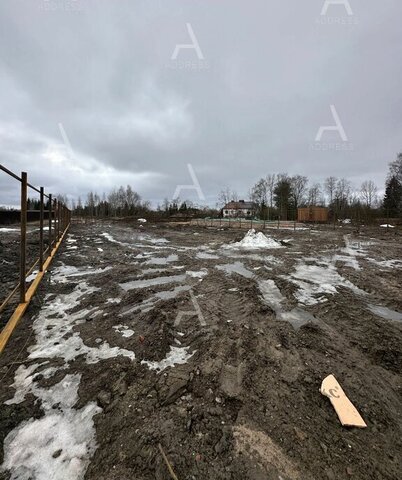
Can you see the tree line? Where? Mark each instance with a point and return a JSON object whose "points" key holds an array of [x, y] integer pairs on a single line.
{"points": [[120, 202], [280, 195], [275, 196]]}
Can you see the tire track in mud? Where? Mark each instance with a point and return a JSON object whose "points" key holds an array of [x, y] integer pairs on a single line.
{"points": [[232, 306]]}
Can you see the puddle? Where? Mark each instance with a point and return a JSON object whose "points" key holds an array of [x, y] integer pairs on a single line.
{"points": [[314, 281], [152, 270], [201, 274], [64, 272], [206, 256], [236, 267], [272, 296], [253, 256], [385, 313], [155, 243], [162, 260], [151, 282], [296, 317], [386, 263], [149, 304]]}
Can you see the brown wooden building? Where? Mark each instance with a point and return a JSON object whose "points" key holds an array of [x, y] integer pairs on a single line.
{"points": [[312, 214]]}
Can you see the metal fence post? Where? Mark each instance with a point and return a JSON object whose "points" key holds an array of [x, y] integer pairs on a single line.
{"points": [[41, 232], [50, 223], [57, 219], [23, 240], [59, 207]]}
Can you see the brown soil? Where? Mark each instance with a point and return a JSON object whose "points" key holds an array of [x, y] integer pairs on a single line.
{"points": [[247, 404]]}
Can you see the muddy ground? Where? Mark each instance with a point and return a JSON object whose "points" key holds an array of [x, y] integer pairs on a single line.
{"points": [[254, 333]]}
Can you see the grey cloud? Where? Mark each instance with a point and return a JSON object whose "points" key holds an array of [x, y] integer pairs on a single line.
{"points": [[271, 71]]}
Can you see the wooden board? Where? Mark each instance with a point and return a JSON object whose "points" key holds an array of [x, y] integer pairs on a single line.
{"points": [[346, 411]]}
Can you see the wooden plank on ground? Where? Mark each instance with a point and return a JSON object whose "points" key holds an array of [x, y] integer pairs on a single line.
{"points": [[346, 411]]}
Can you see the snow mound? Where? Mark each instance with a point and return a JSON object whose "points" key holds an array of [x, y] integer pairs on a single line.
{"points": [[254, 240], [387, 225]]}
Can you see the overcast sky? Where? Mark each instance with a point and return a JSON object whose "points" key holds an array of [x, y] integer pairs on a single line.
{"points": [[249, 100]]}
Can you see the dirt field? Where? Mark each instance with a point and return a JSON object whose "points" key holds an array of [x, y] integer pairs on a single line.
{"points": [[173, 335]]}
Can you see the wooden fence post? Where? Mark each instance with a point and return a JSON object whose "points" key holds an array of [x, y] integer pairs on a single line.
{"points": [[23, 239]]}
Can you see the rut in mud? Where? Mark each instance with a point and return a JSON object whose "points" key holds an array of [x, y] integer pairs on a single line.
{"points": [[179, 336]]}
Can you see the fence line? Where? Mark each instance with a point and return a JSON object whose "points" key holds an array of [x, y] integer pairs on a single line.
{"points": [[59, 217], [248, 223]]}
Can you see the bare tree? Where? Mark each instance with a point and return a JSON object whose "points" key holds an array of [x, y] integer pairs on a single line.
{"points": [[258, 195], [342, 195], [298, 185], [270, 183], [368, 193], [225, 196], [330, 187], [314, 195]]}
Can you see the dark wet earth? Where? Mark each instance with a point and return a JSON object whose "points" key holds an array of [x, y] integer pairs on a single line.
{"points": [[170, 335]]}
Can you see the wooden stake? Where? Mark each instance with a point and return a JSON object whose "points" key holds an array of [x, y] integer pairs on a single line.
{"points": [[169, 466]]}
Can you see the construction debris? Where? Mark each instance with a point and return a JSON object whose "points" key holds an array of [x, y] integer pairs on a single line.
{"points": [[346, 411]]}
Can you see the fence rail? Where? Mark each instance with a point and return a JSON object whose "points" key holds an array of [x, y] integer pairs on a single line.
{"points": [[59, 217]]}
